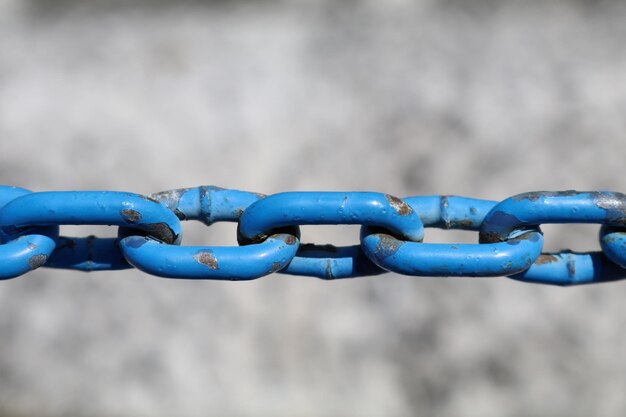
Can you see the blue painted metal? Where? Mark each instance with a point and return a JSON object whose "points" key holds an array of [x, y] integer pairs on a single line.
{"points": [[88, 254], [209, 204], [210, 262], [613, 243], [569, 268], [301, 208], [54, 208], [29, 248], [24, 254], [324, 207], [450, 211], [331, 262], [8, 193], [135, 213], [435, 259], [149, 232], [529, 210]]}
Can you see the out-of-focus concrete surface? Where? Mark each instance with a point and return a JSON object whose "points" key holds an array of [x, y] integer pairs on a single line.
{"points": [[478, 98]]}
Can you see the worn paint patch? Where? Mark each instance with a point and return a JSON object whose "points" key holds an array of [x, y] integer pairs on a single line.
{"points": [[536, 195], [461, 224], [130, 216], [36, 261], [571, 268], [291, 240], [387, 246], [171, 200], [546, 259], [444, 216], [615, 206], [489, 237], [276, 266], [329, 269], [206, 258], [498, 226], [398, 205], [161, 231]]}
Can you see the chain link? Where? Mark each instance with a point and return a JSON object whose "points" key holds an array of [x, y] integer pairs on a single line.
{"points": [[391, 238]]}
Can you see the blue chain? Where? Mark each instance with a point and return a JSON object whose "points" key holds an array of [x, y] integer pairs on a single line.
{"points": [[391, 238]]}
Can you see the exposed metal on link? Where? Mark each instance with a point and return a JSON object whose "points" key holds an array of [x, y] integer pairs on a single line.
{"points": [[510, 241], [302, 208]]}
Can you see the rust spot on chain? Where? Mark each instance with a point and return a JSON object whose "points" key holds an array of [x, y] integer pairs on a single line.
{"points": [[162, 232], [131, 216], [387, 246], [206, 258], [536, 195], [546, 259], [329, 269], [615, 206], [490, 237], [171, 199], [571, 268], [398, 205], [462, 224], [36, 261]]}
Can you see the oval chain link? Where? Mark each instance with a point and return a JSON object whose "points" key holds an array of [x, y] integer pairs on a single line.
{"points": [[208, 205], [513, 255]]}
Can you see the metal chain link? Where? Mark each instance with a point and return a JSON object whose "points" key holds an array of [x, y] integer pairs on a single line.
{"points": [[392, 232]]}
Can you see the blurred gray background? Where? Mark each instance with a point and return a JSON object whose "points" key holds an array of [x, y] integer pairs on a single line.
{"points": [[479, 98]]}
